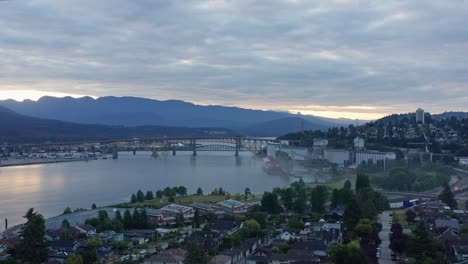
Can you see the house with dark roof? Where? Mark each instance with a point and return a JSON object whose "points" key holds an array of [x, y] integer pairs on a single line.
{"points": [[87, 230], [226, 227], [51, 235], [209, 240], [171, 256], [205, 209]]}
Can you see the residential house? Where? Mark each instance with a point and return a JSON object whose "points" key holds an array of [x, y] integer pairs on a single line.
{"points": [[168, 215], [87, 230], [205, 209], [171, 256], [287, 235], [226, 227], [51, 235], [140, 235], [233, 207], [220, 259], [447, 223], [209, 240], [109, 236]]}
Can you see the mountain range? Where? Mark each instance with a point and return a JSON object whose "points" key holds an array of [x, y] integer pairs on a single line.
{"points": [[18, 128], [134, 111]]}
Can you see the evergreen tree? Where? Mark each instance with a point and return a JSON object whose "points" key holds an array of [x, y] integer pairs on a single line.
{"points": [[93, 206], [199, 191], [140, 196], [318, 198], [65, 223], [67, 211], [287, 197], [127, 220], [221, 191], [347, 185], [143, 219], [195, 254], [270, 203], [149, 195], [351, 215], [247, 193], [362, 181], [448, 197], [182, 190], [118, 216], [136, 219], [133, 199], [171, 199], [32, 247], [196, 219]]}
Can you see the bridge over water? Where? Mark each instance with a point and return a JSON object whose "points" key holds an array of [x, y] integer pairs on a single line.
{"points": [[173, 144]]}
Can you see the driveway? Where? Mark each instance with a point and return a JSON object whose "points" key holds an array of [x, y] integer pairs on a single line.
{"points": [[385, 252]]}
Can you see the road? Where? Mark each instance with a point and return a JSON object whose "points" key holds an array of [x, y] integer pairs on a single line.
{"points": [[385, 252]]}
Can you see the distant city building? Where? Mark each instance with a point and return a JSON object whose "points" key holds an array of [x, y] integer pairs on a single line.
{"points": [[374, 156], [359, 143], [321, 143], [420, 116], [338, 156], [272, 148]]}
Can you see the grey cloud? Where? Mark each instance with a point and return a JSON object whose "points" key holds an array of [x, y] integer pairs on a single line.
{"points": [[390, 54]]}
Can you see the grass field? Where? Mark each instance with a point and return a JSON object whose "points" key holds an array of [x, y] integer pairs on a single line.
{"points": [[338, 184], [187, 200]]}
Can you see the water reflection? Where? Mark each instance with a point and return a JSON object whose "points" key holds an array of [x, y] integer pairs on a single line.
{"points": [[50, 188]]}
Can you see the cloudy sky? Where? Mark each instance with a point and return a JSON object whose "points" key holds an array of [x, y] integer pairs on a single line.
{"points": [[336, 58]]}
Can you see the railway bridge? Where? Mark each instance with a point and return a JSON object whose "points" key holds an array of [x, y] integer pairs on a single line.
{"points": [[172, 144]]}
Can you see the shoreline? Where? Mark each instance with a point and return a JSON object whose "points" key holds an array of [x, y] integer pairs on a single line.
{"points": [[23, 162]]}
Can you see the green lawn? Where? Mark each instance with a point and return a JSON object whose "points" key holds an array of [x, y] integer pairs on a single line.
{"points": [[187, 200]]}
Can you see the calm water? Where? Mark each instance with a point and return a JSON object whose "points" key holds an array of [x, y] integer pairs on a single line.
{"points": [[50, 188]]}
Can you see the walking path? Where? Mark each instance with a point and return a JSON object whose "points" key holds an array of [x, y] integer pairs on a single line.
{"points": [[385, 251]]}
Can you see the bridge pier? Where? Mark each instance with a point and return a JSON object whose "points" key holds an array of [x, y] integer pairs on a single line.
{"points": [[115, 152], [238, 146], [193, 143]]}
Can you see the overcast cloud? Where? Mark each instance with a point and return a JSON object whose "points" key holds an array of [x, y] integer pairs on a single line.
{"points": [[345, 58]]}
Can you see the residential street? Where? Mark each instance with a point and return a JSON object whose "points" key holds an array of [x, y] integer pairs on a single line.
{"points": [[385, 251]]}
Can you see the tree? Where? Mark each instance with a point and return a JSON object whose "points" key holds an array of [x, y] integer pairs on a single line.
{"points": [[171, 199], [318, 198], [196, 219], [351, 215], [251, 228], [159, 194], [221, 191], [350, 253], [127, 219], [398, 240], [247, 193], [287, 197], [421, 244], [299, 205], [133, 199], [74, 259], [260, 218], [448, 197], [410, 216], [182, 190], [347, 185], [180, 220], [118, 216], [270, 203], [195, 254], [140, 196], [199, 191], [362, 181], [295, 224], [32, 247], [94, 206], [149, 195], [67, 211], [65, 223]]}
